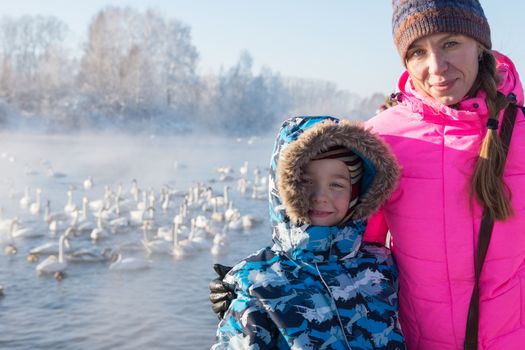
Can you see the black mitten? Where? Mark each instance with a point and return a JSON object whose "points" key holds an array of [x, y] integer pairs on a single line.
{"points": [[221, 295]]}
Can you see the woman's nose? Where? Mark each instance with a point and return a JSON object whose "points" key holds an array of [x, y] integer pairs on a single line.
{"points": [[437, 63]]}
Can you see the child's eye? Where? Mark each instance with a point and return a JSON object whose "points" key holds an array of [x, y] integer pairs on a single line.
{"points": [[337, 185]]}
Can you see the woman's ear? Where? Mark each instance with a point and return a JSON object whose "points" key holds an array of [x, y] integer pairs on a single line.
{"points": [[481, 49]]}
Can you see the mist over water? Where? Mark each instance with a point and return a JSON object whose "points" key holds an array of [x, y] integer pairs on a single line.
{"points": [[164, 307]]}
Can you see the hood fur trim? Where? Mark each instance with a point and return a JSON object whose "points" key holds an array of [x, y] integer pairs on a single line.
{"points": [[319, 138]]}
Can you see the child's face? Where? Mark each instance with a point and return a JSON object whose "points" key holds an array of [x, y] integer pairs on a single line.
{"points": [[329, 188]]}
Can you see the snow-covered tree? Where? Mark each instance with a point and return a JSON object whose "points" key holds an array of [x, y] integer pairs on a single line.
{"points": [[319, 97], [138, 63], [248, 102], [34, 67]]}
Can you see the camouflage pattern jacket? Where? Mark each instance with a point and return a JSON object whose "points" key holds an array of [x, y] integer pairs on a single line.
{"points": [[317, 287]]}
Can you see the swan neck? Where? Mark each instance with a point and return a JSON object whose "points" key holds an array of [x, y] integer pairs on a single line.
{"points": [[61, 248]]}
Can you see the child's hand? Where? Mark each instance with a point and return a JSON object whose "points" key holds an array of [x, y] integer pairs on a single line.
{"points": [[221, 295]]}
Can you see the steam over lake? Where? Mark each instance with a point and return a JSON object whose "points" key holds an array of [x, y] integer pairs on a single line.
{"points": [[162, 307]]}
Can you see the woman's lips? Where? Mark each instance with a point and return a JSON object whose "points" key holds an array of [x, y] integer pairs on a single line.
{"points": [[444, 86]]}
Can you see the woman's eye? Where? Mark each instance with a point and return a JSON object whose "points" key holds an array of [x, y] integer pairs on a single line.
{"points": [[415, 53], [450, 44]]}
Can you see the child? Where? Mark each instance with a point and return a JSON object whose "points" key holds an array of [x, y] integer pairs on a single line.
{"points": [[319, 286]]}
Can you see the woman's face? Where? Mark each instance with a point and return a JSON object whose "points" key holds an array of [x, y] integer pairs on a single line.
{"points": [[444, 66]]}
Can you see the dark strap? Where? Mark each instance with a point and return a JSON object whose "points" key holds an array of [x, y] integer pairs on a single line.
{"points": [[485, 232]]}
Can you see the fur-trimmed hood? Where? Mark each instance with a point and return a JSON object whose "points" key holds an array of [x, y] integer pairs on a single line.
{"points": [[299, 140], [381, 171]]}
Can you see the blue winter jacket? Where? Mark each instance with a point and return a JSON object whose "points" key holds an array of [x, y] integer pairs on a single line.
{"points": [[317, 287]]}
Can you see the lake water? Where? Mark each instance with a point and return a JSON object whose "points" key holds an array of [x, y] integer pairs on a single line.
{"points": [[164, 307]]}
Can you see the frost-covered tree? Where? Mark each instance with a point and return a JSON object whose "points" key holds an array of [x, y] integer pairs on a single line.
{"points": [[248, 102], [137, 63], [319, 97], [34, 61], [139, 69], [369, 105]]}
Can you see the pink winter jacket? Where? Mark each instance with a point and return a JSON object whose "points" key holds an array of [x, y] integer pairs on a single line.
{"points": [[435, 227]]}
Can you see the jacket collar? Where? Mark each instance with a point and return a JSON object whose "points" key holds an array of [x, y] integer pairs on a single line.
{"points": [[470, 109], [319, 243]]}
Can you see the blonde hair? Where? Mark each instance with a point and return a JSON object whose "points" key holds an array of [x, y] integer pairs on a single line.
{"points": [[487, 181]]}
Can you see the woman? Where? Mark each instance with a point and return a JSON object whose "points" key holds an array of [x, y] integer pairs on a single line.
{"points": [[444, 132]]}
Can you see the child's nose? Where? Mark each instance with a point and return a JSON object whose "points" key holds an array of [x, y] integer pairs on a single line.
{"points": [[318, 194]]}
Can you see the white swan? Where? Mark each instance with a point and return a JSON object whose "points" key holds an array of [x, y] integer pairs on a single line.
{"points": [[243, 170], [249, 221], [143, 205], [136, 217], [221, 243], [242, 185], [221, 200], [181, 248], [5, 224], [235, 223], [260, 187], [99, 232], [182, 216], [34, 208], [216, 216], [148, 220], [18, 231], [53, 264], [56, 225], [230, 212], [92, 254], [165, 200], [52, 173], [165, 232], [134, 190], [25, 201], [129, 264], [88, 183], [48, 216], [193, 199], [97, 204], [118, 225], [224, 170], [53, 247], [70, 206], [199, 237], [80, 220], [10, 249], [201, 222], [155, 246]]}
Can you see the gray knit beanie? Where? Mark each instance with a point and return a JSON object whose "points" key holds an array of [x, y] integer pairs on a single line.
{"points": [[414, 19]]}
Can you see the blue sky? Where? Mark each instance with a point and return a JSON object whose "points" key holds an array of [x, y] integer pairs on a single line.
{"points": [[346, 41]]}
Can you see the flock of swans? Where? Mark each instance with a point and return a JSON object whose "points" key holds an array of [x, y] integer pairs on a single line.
{"points": [[110, 228]]}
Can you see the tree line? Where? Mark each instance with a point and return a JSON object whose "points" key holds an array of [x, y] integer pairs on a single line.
{"points": [[138, 71]]}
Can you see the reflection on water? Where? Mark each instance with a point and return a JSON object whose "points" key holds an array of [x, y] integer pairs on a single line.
{"points": [[163, 307]]}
